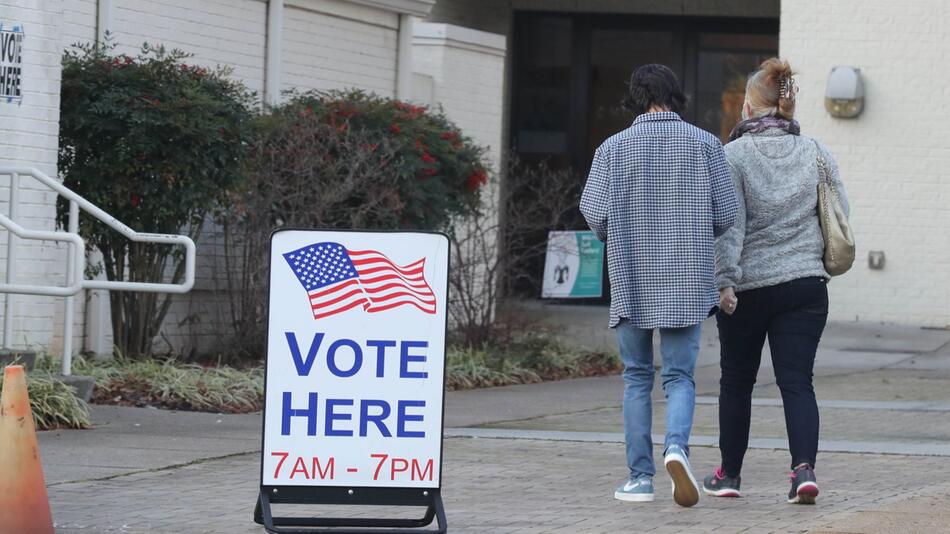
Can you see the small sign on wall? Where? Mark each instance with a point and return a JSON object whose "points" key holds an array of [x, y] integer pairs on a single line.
{"points": [[11, 62], [573, 266]]}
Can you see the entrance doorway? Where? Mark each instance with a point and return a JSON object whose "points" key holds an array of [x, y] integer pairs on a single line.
{"points": [[571, 72]]}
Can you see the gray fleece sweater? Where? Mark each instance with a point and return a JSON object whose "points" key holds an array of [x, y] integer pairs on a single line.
{"points": [[776, 237]]}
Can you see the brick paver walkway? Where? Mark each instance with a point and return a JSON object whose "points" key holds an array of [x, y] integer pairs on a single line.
{"points": [[887, 415], [508, 486]]}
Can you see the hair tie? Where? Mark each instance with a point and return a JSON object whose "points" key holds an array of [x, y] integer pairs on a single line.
{"points": [[787, 88]]}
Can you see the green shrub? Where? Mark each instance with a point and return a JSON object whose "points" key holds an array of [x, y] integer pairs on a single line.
{"points": [[410, 169], [157, 143], [523, 360], [171, 384], [54, 404], [469, 368], [174, 385], [340, 160]]}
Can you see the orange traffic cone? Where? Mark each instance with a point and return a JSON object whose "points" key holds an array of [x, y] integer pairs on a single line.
{"points": [[24, 505]]}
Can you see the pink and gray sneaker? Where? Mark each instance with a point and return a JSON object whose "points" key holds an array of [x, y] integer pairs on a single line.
{"points": [[804, 485], [720, 485]]}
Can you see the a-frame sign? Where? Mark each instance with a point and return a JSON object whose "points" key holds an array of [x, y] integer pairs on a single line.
{"points": [[355, 383]]}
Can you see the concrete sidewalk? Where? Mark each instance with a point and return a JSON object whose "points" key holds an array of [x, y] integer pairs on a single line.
{"points": [[546, 457]]}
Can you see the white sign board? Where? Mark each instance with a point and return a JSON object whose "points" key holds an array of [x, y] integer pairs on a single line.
{"points": [[355, 359]]}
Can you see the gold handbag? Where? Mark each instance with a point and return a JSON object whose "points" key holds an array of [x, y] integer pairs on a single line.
{"points": [[835, 230]]}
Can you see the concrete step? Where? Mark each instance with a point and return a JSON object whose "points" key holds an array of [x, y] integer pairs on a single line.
{"points": [[83, 385], [26, 358]]}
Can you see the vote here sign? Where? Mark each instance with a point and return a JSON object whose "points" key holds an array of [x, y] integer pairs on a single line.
{"points": [[355, 359]]}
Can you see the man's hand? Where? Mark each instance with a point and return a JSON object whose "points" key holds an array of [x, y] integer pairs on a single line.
{"points": [[728, 300]]}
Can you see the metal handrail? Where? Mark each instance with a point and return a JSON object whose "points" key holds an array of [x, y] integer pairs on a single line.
{"points": [[73, 277], [76, 261], [117, 225]]}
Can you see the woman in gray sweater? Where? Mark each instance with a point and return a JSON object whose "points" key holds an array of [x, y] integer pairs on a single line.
{"points": [[771, 278]]}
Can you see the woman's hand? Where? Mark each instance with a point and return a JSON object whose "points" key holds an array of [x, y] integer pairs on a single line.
{"points": [[728, 300]]}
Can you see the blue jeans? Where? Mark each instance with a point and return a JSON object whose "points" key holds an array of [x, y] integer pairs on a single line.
{"points": [[679, 348]]}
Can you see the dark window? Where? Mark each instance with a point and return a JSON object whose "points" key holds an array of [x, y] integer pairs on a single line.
{"points": [[542, 124], [723, 66], [571, 72], [613, 53]]}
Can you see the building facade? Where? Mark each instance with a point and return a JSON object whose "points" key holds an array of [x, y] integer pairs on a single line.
{"points": [[543, 77], [380, 46], [574, 55]]}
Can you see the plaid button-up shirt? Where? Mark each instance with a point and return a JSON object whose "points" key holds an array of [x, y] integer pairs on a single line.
{"points": [[658, 193]]}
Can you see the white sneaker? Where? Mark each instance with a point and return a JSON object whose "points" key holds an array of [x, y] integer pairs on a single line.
{"points": [[685, 487]]}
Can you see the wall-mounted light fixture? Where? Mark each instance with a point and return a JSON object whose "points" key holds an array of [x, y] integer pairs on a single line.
{"points": [[876, 260], [844, 96]]}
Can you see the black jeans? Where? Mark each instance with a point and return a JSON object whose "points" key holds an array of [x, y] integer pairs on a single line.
{"points": [[793, 316]]}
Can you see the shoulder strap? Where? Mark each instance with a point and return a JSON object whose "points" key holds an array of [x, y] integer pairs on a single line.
{"points": [[823, 174]]}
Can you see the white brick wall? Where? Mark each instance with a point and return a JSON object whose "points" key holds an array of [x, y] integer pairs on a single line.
{"points": [[327, 44], [196, 322], [30, 138], [226, 32], [346, 47], [468, 68], [894, 158], [79, 21], [78, 26], [217, 32]]}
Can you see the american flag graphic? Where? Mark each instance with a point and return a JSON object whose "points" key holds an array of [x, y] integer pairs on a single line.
{"points": [[338, 279]]}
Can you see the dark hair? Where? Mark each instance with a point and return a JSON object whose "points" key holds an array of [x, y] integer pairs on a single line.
{"points": [[654, 84]]}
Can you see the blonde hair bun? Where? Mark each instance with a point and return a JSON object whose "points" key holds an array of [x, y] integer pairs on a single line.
{"points": [[771, 89]]}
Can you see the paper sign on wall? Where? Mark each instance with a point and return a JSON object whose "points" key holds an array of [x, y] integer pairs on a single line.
{"points": [[11, 62], [355, 359], [573, 266]]}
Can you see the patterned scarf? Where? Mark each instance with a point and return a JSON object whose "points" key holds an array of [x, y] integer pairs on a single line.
{"points": [[761, 124]]}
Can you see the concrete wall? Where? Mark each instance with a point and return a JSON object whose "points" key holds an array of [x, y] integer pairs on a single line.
{"points": [[894, 158]]}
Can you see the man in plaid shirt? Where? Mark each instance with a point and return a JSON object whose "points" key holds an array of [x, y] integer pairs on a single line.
{"points": [[658, 193]]}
